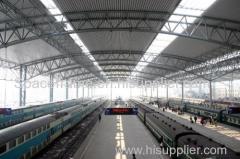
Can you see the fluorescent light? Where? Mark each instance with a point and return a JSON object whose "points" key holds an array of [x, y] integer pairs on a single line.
{"points": [[57, 14], [194, 8]]}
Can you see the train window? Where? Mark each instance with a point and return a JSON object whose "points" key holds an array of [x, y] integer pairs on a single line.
{"points": [[39, 130], [34, 133], [12, 144], [28, 136], [3, 148], [44, 127], [20, 139], [48, 126]]}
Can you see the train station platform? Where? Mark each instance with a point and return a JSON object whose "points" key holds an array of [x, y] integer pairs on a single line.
{"points": [[223, 134], [118, 132]]}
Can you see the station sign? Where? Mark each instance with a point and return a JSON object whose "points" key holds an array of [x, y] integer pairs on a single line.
{"points": [[121, 111]]}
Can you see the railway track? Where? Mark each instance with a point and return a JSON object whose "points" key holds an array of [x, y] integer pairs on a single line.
{"points": [[66, 145]]}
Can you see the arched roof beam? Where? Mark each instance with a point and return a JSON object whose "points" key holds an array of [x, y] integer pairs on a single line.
{"points": [[209, 29], [109, 53]]}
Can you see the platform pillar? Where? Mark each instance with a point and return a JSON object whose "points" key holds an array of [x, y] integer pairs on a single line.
{"points": [[51, 88], [23, 77], [88, 91], [67, 89], [130, 92], [83, 91], [210, 92], [151, 95], [157, 90], [77, 90], [167, 91], [111, 93], [182, 91]]}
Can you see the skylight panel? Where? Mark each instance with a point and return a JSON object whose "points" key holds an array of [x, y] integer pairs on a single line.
{"points": [[192, 8], [57, 14], [60, 18], [68, 27], [49, 4]]}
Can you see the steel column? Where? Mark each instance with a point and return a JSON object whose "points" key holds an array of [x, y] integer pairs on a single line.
{"points": [[182, 91], [83, 92], [51, 88], [111, 93], [77, 90], [67, 89], [167, 91], [130, 92], [210, 92], [23, 76]]}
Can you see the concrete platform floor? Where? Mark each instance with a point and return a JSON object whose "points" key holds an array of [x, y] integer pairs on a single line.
{"points": [[119, 132]]}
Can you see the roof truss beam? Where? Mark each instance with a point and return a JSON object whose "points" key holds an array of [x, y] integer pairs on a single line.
{"points": [[220, 31]]}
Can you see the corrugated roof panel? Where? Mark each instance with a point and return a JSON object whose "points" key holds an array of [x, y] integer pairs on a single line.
{"points": [[82, 5], [117, 40]]}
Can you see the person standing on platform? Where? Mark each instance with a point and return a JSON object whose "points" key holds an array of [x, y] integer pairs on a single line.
{"points": [[211, 120], [202, 121], [134, 156], [99, 117], [195, 119], [191, 120]]}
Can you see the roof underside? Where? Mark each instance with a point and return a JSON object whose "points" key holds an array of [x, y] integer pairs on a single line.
{"points": [[117, 34]]}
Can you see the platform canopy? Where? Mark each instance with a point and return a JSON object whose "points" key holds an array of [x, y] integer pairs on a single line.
{"points": [[106, 40]]}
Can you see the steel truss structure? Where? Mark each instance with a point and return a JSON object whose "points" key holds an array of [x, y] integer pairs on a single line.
{"points": [[19, 27], [221, 31], [27, 20]]}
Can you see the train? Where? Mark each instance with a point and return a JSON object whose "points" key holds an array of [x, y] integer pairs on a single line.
{"points": [[202, 108], [30, 112], [173, 134], [24, 140]]}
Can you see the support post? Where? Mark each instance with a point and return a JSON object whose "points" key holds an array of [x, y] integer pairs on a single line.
{"points": [[77, 90], [66, 89], [182, 91], [130, 92], [23, 77], [111, 93], [83, 92], [167, 90], [146, 91], [93, 91], [51, 88], [210, 92], [151, 92], [88, 91], [157, 90]]}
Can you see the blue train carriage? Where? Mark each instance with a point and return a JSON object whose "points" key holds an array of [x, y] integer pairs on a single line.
{"points": [[30, 112], [24, 140]]}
